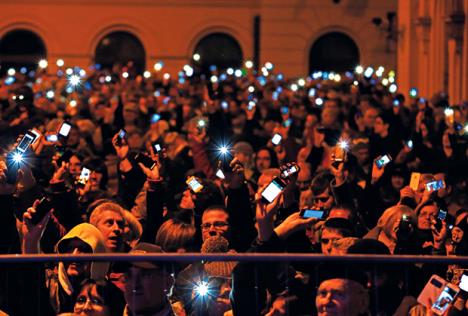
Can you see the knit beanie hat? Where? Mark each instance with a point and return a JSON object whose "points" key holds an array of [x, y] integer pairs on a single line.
{"points": [[218, 244]]}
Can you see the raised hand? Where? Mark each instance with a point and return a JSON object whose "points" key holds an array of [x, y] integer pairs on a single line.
{"points": [[121, 149], [32, 233], [293, 224]]}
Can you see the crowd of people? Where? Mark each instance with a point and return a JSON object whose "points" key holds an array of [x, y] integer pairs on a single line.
{"points": [[107, 160]]}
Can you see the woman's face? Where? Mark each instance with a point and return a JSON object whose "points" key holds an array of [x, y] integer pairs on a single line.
{"points": [[457, 235], [89, 302]]}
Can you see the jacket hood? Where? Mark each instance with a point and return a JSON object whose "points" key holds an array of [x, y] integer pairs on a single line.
{"points": [[90, 235]]}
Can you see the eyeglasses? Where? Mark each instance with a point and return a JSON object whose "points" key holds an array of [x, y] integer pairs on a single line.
{"points": [[322, 199], [216, 225], [82, 300]]}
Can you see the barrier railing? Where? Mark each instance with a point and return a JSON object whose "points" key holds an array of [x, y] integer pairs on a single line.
{"points": [[240, 257]]}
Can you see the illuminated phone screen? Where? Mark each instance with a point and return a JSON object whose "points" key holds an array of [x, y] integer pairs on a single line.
{"points": [[65, 129], [272, 191]]}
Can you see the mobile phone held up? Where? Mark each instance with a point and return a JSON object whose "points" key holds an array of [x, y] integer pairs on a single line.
{"points": [[64, 130], [28, 139], [194, 184], [276, 139], [383, 161], [289, 171], [311, 213], [445, 299], [84, 177], [45, 206], [120, 137], [272, 190], [435, 185]]}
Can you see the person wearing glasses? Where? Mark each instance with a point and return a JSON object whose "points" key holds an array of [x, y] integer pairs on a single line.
{"points": [[99, 298]]}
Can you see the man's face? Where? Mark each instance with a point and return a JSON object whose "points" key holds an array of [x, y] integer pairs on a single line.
{"points": [[303, 179], [215, 223], [94, 180], [323, 200], [379, 126], [112, 224], [369, 117], [328, 236], [426, 215], [75, 166], [135, 141], [340, 297], [263, 160], [362, 156], [144, 290]]}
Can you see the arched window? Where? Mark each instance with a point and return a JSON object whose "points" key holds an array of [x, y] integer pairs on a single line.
{"points": [[334, 51], [119, 48], [219, 49], [21, 48]]}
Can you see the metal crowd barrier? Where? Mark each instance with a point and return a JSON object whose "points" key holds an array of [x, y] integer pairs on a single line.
{"points": [[240, 257]]}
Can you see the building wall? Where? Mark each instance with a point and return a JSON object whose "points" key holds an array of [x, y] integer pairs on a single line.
{"points": [[169, 30], [433, 47]]}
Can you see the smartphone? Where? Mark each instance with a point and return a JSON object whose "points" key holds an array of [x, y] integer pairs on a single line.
{"points": [[435, 185], [84, 176], [157, 147], [431, 290], [464, 283], [404, 228], [445, 298], [121, 136], [276, 140], [220, 174], [290, 171], [413, 92], [284, 110], [28, 139], [287, 123], [145, 160], [224, 105], [154, 118], [414, 182], [441, 216], [312, 92], [272, 190], [409, 144], [275, 95], [251, 105], [44, 207], [194, 184], [311, 213], [396, 103], [382, 161], [64, 129], [52, 138]]}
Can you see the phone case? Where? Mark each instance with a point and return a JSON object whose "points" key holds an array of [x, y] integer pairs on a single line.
{"points": [[431, 291], [414, 183]]}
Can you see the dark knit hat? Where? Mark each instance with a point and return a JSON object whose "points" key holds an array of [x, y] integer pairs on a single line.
{"points": [[218, 244]]}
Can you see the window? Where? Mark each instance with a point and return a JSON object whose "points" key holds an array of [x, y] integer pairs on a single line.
{"points": [[21, 48], [333, 51], [120, 48], [219, 49]]}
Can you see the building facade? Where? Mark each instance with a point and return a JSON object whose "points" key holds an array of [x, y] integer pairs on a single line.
{"points": [[426, 41], [433, 47]]}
